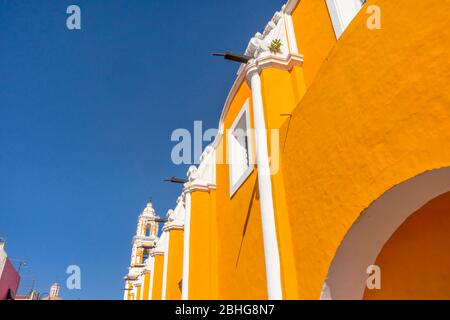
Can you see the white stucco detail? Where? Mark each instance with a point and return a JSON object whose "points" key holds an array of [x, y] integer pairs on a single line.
{"points": [[342, 13], [186, 252], [176, 217], [274, 30], [152, 278], [279, 27], [346, 279], [271, 253], [203, 176], [166, 258]]}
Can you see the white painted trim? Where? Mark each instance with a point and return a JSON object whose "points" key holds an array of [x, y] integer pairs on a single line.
{"points": [[142, 287], [363, 242], [271, 254], [290, 6], [342, 13], [186, 252], [166, 258], [290, 31], [152, 276], [125, 293], [284, 61], [245, 111]]}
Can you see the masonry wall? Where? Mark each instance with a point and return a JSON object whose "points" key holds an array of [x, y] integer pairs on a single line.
{"points": [[203, 267], [314, 34], [376, 114], [241, 269], [175, 265], [157, 277]]}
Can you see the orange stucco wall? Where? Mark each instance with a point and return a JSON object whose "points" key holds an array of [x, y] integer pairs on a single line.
{"points": [[175, 265], [415, 263], [146, 286], [240, 247], [358, 117], [157, 277], [314, 34], [138, 293], [376, 114], [203, 283], [281, 91]]}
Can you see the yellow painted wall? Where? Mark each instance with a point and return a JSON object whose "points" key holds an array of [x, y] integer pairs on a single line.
{"points": [[314, 34], [376, 114], [146, 286], [240, 247], [281, 91], [138, 293], [157, 277], [175, 265], [203, 281], [415, 263]]}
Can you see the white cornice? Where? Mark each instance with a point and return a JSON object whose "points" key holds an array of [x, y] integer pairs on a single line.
{"points": [[176, 217], [290, 6], [160, 245], [202, 178], [279, 27], [284, 62]]}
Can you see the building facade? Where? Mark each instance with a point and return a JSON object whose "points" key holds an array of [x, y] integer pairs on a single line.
{"points": [[331, 165], [137, 280]]}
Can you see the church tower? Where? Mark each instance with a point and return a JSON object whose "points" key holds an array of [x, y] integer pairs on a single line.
{"points": [[144, 240]]}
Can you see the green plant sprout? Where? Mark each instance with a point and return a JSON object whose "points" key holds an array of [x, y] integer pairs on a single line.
{"points": [[275, 46]]}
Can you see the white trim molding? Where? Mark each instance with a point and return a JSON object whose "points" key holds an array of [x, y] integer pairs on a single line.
{"points": [[342, 13], [279, 27], [289, 7], [346, 279], [234, 155], [152, 276], [165, 245], [185, 281], [271, 253], [176, 217]]}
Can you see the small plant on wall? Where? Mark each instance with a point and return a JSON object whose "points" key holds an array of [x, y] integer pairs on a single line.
{"points": [[275, 46]]}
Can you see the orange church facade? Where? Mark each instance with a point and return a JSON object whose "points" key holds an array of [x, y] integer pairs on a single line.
{"points": [[329, 177]]}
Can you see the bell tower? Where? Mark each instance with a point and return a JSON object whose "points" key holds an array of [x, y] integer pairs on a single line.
{"points": [[144, 240]]}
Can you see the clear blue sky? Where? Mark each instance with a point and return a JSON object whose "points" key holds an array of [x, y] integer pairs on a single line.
{"points": [[86, 118]]}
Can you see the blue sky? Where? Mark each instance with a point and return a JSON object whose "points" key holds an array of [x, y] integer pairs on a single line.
{"points": [[86, 118]]}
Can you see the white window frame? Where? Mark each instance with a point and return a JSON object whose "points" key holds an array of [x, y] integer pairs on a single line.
{"points": [[342, 13], [236, 183]]}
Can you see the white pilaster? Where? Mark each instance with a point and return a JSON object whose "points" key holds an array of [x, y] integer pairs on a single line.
{"points": [[152, 276], [187, 229], [166, 258], [271, 254]]}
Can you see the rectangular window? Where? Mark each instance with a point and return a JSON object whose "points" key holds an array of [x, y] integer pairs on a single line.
{"points": [[342, 13], [145, 255], [239, 149]]}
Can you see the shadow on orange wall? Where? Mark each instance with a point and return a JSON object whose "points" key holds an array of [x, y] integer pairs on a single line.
{"points": [[414, 262]]}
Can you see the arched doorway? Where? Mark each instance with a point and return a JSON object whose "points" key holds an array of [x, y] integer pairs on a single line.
{"points": [[404, 233]]}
